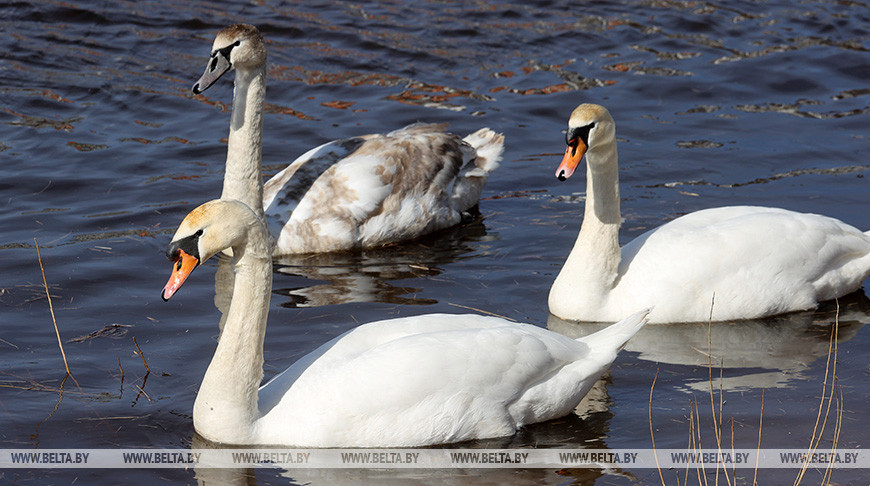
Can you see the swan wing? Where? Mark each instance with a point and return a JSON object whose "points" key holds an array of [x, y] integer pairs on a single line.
{"points": [[756, 261], [429, 379], [282, 193]]}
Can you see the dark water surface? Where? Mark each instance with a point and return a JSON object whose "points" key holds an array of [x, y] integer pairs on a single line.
{"points": [[103, 151]]}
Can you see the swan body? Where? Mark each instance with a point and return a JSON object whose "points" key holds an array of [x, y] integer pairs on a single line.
{"points": [[725, 263], [411, 381], [359, 192]]}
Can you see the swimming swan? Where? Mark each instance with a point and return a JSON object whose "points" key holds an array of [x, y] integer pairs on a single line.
{"points": [[412, 381], [745, 261], [357, 192]]}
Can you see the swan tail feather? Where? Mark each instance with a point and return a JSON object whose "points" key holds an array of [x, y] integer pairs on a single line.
{"points": [[617, 334], [487, 148]]}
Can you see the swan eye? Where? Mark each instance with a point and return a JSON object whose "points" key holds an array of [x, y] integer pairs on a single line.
{"points": [[578, 133], [190, 245], [225, 52]]}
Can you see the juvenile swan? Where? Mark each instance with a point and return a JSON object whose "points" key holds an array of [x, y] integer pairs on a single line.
{"points": [[356, 192], [745, 261], [413, 381]]}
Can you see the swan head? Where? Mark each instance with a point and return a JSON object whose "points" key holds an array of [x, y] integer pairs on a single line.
{"points": [[239, 46], [590, 128], [206, 231]]}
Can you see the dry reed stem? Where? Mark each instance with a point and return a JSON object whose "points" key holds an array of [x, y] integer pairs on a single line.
{"points": [[32, 385], [717, 418], [56, 406], [696, 441], [815, 438], [481, 311], [121, 392], [758, 447], [7, 342], [733, 466], [691, 446], [838, 410], [652, 433], [830, 397], [721, 407], [141, 355], [839, 426], [142, 388], [51, 309], [142, 391], [703, 468], [830, 370]]}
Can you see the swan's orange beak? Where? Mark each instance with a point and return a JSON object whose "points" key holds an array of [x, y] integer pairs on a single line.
{"points": [[183, 265], [573, 155]]}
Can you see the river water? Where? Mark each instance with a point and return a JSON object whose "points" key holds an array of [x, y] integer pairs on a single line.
{"points": [[103, 150]]}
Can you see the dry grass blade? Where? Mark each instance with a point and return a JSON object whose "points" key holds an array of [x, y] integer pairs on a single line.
{"points": [[481, 311], [821, 422], [651, 431], [831, 400], [141, 389], [721, 407], [734, 467], [143, 392], [5, 341], [691, 447], [695, 439], [829, 470], [29, 384], [60, 392], [716, 417], [702, 471], [51, 308], [122, 377], [758, 447], [141, 355]]}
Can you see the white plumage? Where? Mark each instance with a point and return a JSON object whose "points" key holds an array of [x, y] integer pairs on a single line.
{"points": [[742, 262], [413, 381]]}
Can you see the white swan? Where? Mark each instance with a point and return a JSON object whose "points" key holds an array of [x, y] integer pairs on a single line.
{"points": [[358, 192], [748, 262], [412, 381]]}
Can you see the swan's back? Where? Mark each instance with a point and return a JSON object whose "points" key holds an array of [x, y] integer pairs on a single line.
{"points": [[431, 379], [757, 261], [368, 191]]}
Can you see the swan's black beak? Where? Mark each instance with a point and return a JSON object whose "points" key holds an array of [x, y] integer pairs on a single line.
{"points": [[573, 155], [218, 64], [183, 265]]}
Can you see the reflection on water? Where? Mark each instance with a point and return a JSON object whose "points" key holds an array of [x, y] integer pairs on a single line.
{"points": [[366, 276], [786, 344], [405, 477], [455, 476], [360, 276]]}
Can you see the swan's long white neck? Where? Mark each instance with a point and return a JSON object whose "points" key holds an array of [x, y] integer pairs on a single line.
{"points": [[594, 261], [226, 407], [243, 180]]}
